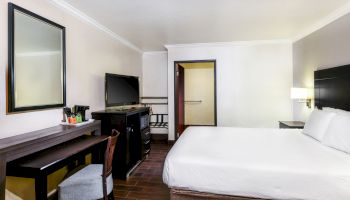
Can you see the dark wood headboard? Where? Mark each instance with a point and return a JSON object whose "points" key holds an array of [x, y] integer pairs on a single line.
{"points": [[332, 88]]}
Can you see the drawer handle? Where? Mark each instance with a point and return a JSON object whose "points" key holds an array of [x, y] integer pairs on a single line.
{"points": [[146, 152]]}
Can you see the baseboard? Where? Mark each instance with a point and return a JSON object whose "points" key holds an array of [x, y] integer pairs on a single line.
{"points": [[171, 142], [159, 137]]}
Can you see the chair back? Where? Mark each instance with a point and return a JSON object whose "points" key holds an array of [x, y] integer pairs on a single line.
{"points": [[108, 159]]}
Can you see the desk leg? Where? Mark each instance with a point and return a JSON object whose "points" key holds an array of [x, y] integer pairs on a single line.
{"points": [[41, 188], [96, 132], [97, 154], [81, 160], [2, 177]]}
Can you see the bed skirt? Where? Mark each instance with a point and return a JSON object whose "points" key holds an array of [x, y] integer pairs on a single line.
{"points": [[180, 194]]}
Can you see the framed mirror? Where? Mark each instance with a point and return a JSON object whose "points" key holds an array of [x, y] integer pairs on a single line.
{"points": [[37, 59]]}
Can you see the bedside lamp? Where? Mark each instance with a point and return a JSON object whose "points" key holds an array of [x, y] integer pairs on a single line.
{"points": [[302, 94]]}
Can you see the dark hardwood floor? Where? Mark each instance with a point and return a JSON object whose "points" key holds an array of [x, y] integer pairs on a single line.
{"points": [[146, 181]]}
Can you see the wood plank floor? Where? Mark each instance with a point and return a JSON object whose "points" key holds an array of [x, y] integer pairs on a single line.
{"points": [[146, 181]]}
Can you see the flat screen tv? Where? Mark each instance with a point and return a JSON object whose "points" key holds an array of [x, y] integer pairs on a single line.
{"points": [[121, 90]]}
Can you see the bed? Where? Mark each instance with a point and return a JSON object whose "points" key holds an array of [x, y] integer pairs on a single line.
{"points": [[261, 163], [245, 163]]}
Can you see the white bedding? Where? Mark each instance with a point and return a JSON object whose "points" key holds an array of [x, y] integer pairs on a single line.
{"points": [[263, 163]]}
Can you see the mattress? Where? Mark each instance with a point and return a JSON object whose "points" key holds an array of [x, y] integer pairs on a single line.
{"points": [[260, 163]]}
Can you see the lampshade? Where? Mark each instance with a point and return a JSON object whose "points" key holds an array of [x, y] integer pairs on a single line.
{"points": [[299, 93]]}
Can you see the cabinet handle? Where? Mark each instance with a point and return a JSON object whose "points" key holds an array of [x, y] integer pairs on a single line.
{"points": [[146, 152]]}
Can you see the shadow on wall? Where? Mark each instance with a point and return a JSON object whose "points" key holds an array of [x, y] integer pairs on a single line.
{"points": [[300, 111]]}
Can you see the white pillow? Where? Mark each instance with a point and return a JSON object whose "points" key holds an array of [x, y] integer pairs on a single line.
{"points": [[317, 124], [338, 133]]}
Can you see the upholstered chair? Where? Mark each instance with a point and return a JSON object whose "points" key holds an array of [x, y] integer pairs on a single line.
{"points": [[93, 181]]}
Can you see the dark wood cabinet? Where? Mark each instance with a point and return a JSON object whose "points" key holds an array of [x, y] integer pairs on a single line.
{"points": [[134, 140]]}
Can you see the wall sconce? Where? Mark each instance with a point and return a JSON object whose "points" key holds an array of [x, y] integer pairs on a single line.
{"points": [[302, 94]]}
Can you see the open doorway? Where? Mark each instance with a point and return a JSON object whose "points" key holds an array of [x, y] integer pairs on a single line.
{"points": [[195, 94]]}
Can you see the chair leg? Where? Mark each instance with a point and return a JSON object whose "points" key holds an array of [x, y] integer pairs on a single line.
{"points": [[41, 188]]}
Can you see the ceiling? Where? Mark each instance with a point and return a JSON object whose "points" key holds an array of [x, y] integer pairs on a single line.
{"points": [[150, 24]]}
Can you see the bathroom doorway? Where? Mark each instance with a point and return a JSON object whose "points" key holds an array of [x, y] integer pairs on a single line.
{"points": [[195, 94]]}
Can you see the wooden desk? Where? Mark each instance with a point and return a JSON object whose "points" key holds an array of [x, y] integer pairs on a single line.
{"points": [[18, 146], [43, 163]]}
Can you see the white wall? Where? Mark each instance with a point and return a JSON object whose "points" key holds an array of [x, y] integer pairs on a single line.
{"points": [[155, 83], [199, 86], [154, 73], [90, 53], [253, 81], [325, 48]]}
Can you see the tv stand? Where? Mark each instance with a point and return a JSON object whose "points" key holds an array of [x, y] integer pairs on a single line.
{"points": [[122, 109], [133, 144]]}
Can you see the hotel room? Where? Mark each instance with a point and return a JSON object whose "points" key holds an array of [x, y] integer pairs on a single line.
{"points": [[181, 100]]}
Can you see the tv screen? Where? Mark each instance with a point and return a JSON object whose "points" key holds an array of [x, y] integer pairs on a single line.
{"points": [[121, 90]]}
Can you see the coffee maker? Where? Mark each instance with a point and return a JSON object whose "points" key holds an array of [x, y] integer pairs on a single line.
{"points": [[81, 109]]}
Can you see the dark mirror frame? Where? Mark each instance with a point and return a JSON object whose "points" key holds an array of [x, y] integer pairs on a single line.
{"points": [[11, 52]]}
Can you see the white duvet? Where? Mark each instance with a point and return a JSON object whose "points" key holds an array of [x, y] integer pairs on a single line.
{"points": [[263, 163]]}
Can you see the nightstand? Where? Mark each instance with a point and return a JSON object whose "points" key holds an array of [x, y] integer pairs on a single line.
{"points": [[291, 124]]}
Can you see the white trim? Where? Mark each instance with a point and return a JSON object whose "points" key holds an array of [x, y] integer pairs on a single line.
{"points": [[340, 12], [154, 52], [227, 44], [66, 6]]}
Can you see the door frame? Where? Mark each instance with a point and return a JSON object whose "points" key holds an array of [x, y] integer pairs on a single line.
{"points": [[175, 96]]}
